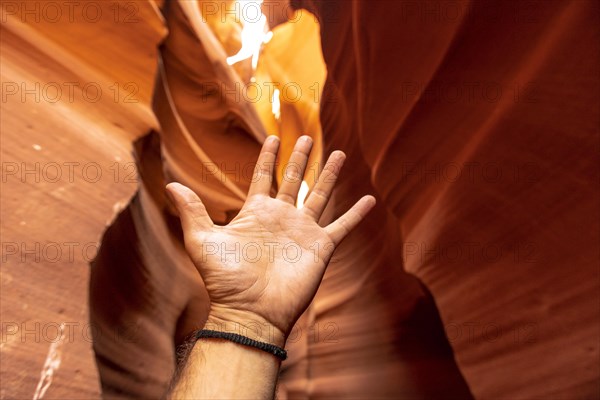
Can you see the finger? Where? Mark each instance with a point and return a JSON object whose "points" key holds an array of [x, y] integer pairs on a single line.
{"points": [[317, 199], [342, 226], [192, 212], [294, 170], [263, 176]]}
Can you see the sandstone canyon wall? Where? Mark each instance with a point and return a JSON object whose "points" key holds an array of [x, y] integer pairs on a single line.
{"points": [[474, 123]]}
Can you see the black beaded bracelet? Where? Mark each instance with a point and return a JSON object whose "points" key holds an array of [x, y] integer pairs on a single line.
{"points": [[243, 340]]}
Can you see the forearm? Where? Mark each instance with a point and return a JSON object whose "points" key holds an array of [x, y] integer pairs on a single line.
{"points": [[217, 369]]}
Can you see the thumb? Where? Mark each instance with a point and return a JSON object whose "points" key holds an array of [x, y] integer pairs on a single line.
{"points": [[191, 210]]}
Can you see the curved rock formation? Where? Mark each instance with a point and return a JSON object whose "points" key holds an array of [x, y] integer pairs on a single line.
{"points": [[473, 122]]}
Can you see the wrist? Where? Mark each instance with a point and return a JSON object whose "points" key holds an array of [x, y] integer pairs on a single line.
{"points": [[245, 324]]}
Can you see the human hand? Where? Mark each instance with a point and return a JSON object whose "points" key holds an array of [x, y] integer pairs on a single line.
{"points": [[266, 265]]}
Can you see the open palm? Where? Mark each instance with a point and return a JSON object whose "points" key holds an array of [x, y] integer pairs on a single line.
{"points": [[266, 265]]}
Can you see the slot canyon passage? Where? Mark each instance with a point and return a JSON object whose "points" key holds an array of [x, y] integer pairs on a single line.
{"points": [[474, 123]]}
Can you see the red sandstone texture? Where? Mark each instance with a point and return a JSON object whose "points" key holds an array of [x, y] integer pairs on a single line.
{"points": [[475, 125]]}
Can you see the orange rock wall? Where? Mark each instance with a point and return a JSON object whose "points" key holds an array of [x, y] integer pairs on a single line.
{"points": [[474, 123]]}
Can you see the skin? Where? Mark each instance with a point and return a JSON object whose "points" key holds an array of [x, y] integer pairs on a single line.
{"points": [[261, 271]]}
